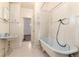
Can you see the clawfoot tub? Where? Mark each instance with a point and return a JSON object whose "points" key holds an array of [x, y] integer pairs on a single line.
{"points": [[51, 47]]}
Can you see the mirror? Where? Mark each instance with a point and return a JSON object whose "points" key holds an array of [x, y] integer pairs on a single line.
{"points": [[4, 20]]}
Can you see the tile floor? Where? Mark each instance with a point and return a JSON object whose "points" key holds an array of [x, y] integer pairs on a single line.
{"points": [[27, 51]]}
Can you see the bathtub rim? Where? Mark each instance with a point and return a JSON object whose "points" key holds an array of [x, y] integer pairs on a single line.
{"points": [[60, 51]]}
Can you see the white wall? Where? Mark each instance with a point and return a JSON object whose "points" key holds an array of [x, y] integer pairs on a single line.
{"points": [[74, 11], [44, 23], [41, 23], [36, 24], [27, 12], [16, 24]]}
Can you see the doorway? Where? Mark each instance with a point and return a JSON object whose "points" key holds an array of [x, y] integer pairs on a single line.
{"points": [[27, 29]]}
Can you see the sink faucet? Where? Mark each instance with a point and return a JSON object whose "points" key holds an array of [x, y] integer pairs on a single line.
{"points": [[6, 34]]}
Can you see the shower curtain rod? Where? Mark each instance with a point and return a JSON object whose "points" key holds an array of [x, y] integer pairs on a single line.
{"points": [[43, 5], [51, 8], [55, 6]]}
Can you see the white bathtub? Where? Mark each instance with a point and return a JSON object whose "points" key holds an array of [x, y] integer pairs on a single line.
{"points": [[51, 46]]}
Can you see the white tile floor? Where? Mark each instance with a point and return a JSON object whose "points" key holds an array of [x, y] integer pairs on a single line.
{"points": [[27, 51]]}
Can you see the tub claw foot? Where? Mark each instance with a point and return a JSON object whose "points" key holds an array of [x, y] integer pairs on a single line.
{"points": [[71, 55]]}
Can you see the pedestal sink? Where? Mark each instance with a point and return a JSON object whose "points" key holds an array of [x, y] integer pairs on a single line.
{"points": [[7, 37]]}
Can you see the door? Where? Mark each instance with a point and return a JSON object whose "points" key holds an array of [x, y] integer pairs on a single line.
{"points": [[27, 29]]}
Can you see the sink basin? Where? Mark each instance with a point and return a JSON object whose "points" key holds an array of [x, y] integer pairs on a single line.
{"points": [[7, 36]]}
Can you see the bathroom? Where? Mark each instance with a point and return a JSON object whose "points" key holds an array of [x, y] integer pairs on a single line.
{"points": [[44, 19]]}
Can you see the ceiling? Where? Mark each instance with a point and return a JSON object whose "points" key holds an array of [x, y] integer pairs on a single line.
{"points": [[45, 5], [29, 5], [49, 5]]}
